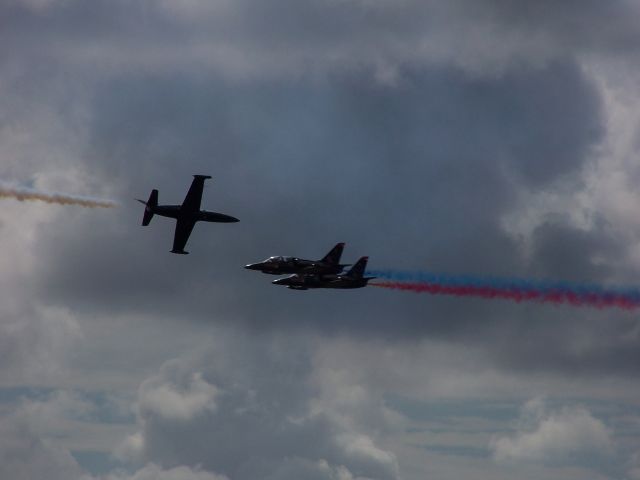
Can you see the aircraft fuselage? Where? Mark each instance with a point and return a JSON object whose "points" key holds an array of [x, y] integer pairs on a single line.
{"points": [[354, 278], [288, 265], [304, 282], [176, 211], [186, 215]]}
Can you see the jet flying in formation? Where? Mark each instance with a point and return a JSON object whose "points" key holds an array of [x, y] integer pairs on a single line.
{"points": [[186, 215], [304, 274], [354, 278], [329, 264]]}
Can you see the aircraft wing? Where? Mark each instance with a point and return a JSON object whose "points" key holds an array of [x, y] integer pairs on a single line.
{"points": [[194, 195], [181, 235]]}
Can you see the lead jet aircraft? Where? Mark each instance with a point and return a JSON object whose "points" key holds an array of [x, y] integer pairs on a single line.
{"points": [[186, 215], [329, 264], [354, 278]]}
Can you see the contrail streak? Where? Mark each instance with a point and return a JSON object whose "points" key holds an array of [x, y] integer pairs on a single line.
{"points": [[28, 194], [514, 289]]}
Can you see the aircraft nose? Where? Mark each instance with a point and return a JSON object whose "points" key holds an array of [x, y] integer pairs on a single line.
{"points": [[252, 266]]}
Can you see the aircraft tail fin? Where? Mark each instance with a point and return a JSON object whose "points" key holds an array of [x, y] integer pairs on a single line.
{"points": [[150, 206], [333, 257], [357, 271]]}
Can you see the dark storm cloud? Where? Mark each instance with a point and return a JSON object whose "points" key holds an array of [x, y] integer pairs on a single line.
{"points": [[303, 37], [407, 129], [416, 176], [577, 25], [563, 251]]}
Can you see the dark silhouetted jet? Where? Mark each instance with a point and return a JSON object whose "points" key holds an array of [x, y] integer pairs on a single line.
{"points": [[354, 278], [186, 215], [329, 264]]}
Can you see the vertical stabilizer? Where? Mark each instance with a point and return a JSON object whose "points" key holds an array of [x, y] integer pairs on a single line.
{"points": [[357, 271], [333, 257], [150, 207]]}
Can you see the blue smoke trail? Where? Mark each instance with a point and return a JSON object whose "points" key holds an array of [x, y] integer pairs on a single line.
{"points": [[520, 285]]}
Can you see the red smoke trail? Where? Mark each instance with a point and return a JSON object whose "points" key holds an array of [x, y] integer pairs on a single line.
{"points": [[557, 297]]}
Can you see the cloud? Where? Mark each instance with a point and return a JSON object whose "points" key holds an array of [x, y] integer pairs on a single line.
{"points": [[263, 423], [569, 436], [281, 38], [292, 468], [634, 467], [37, 343], [154, 472], [420, 132], [414, 182], [185, 400], [26, 447], [32, 437]]}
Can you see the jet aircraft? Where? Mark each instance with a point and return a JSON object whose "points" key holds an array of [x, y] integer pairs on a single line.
{"points": [[354, 278], [329, 264], [186, 215]]}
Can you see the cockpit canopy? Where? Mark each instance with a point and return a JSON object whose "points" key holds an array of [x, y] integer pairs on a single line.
{"points": [[278, 259]]}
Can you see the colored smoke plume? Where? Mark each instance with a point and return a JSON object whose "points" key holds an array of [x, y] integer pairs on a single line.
{"points": [[517, 290], [28, 194]]}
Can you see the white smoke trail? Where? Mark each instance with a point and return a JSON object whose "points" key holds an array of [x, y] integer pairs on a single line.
{"points": [[28, 194]]}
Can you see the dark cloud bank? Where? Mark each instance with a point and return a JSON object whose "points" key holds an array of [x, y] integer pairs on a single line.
{"points": [[354, 121], [418, 176]]}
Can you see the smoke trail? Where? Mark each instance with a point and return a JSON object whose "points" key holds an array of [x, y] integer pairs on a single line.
{"points": [[515, 289], [27, 194]]}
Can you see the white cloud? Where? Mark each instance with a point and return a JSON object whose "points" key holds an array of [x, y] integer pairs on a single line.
{"points": [[268, 411], [155, 472], [569, 435], [27, 449], [131, 448], [159, 395], [362, 446], [32, 444], [295, 468]]}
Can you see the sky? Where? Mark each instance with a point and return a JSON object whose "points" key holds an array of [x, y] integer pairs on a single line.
{"points": [[480, 137]]}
